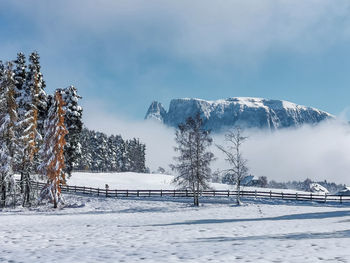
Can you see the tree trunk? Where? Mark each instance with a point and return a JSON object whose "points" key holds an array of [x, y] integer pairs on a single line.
{"points": [[21, 182], [197, 194], [26, 196], [3, 195], [194, 194], [238, 196]]}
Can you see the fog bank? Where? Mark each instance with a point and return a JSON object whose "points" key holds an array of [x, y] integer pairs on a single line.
{"points": [[319, 152]]}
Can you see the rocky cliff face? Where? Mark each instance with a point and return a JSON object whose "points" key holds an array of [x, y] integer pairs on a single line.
{"points": [[245, 112]]}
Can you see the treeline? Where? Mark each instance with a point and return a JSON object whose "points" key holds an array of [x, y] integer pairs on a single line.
{"points": [[39, 133], [262, 181], [305, 185], [102, 153], [43, 135]]}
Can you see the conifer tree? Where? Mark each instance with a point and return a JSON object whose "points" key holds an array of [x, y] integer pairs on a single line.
{"points": [[20, 75], [135, 156], [85, 159], [193, 162], [2, 70], [74, 125], [30, 138], [112, 153], [52, 151], [37, 85], [8, 123], [100, 162], [6, 178]]}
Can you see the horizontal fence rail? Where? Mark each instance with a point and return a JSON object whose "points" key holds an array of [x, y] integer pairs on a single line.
{"points": [[206, 193]]}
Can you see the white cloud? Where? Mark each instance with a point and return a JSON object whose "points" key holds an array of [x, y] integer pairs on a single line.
{"points": [[320, 153], [194, 30]]}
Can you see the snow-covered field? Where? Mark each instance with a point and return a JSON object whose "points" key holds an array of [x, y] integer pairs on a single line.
{"points": [[96, 229], [143, 181], [92, 229]]}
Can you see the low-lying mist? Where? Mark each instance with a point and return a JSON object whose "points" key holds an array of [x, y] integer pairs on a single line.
{"points": [[320, 152]]}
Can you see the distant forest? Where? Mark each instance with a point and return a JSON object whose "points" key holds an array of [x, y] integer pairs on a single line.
{"points": [[102, 153]]}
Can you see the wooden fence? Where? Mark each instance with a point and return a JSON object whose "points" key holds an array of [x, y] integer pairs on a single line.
{"points": [[187, 193]]}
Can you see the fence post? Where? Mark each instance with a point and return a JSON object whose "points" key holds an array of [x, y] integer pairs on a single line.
{"points": [[127, 193], [116, 193], [228, 193], [67, 188], [325, 198], [186, 193], [270, 194], [161, 192], [98, 191], [84, 190], [214, 192], [282, 195], [106, 192], [138, 193], [311, 196], [296, 196]]}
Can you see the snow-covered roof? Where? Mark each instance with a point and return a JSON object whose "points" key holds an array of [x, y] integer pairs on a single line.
{"points": [[317, 188]]}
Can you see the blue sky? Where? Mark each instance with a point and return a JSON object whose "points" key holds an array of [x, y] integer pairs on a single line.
{"points": [[122, 55]]}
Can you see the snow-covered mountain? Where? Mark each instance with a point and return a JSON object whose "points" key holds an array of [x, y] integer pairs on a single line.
{"points": [[242, 111]]}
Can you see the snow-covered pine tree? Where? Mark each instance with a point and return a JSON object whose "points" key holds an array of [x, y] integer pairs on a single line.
{"points": [[2, 70], [100, 161], [20, 76], [36, 82], [29, 139], [136, 156], [112, 153], [52, 151], [121, 153], [74, 125], [124, 161], [84, 161], [193, 162], [142, 159], [6, 178], [128, 156], [8, 123]]}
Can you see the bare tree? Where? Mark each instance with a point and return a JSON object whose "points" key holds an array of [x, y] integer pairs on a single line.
{"points": [[194, 159], [238, 165]]}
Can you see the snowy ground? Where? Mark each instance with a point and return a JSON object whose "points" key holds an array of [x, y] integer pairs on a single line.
{"points": [[92, 229]]}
